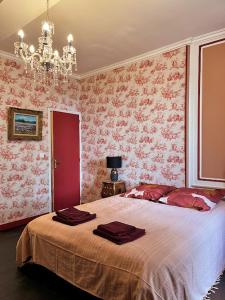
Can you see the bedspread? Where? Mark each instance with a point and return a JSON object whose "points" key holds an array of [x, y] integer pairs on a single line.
{"points": [[179, 258]]}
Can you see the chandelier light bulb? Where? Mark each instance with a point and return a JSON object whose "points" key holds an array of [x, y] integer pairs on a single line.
{"points": [[70, 38], [46, 27], [56, 53], [32, 49], [21, 34]]}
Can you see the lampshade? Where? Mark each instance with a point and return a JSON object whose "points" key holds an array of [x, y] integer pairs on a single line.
{"points": [[114, 162]]}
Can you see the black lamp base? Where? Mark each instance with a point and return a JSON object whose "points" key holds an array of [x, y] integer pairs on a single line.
{"points": [[114, 174]]}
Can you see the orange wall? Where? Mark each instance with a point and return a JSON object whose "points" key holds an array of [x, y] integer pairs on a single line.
{"points": [[213, 111]]}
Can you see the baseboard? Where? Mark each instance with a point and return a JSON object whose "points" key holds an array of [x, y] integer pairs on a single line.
{"points": [[18, 223]]}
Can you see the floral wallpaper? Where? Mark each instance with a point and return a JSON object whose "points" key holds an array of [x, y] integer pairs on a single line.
{"points": [[137, 111], [24, 165]]}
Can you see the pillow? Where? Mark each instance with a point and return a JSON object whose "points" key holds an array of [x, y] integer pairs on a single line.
{"points": [[149, 191], [221, 192], [200, 199]]}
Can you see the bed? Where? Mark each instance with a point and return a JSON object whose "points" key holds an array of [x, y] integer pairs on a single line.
{"points": [[179, 258]]}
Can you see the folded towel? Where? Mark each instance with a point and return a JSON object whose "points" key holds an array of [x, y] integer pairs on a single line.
{"points": [[73, 222], [119, 236], [116, 228], [72, 216], [71, 212]]}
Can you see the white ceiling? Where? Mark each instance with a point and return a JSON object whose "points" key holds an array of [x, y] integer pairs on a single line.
{"points": [[106, 31]]}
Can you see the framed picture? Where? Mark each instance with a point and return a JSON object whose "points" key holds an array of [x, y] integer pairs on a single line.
{"points": [[24, 124]]}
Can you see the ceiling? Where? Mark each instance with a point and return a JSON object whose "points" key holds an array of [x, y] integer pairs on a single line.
{"points": [[107, 32]]}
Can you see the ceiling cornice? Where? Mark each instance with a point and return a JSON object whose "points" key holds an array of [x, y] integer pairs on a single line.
{"points": [[138, 57], [10, 56], [211, 35], [215, 34]]}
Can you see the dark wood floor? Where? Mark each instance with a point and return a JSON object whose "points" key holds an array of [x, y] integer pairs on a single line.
{"points": [[32, 282], [37, 283]]}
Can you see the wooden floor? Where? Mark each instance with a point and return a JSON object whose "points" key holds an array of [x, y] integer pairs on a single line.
{"points": [[37, 283], [32, 282]]}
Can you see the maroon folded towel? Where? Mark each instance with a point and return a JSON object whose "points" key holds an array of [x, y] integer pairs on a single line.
{"points": [[72, 216], [116, 228], [119, 237], [73, 222], [71, 212]]}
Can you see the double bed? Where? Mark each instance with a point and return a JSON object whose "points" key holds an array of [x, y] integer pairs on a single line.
{"points": [[179, 258]]}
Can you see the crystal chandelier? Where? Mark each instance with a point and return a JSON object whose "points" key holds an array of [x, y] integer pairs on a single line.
{"points": [[46, 64]]}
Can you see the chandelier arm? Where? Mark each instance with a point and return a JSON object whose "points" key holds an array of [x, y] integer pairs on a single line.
{"points": [[21, 50], [36, 54], [23, 54]]}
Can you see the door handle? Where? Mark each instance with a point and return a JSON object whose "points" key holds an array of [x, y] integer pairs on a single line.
{"points": [[56, 163]]}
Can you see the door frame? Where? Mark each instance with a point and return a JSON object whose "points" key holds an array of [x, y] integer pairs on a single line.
{"points": [[50, 152]]}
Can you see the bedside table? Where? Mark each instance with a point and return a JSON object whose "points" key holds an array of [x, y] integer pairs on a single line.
{"points": [[111, 188]]}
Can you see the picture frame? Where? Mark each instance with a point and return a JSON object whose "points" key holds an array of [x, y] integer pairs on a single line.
{"points": [[24, 124]]}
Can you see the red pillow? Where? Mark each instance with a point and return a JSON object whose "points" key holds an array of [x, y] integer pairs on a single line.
{"points": [[149, 191], [200, 199]]}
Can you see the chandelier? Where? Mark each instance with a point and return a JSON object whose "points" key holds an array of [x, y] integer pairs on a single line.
{"points": [[46, 63]]}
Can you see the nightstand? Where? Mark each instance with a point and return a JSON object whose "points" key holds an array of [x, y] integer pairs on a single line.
{"points": [[111, 188]]}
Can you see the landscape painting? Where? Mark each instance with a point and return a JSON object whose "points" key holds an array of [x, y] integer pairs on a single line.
{"points": [[24, 124]]}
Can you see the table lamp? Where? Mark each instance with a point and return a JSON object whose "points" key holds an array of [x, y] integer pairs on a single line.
{"points": [[114, 162]]}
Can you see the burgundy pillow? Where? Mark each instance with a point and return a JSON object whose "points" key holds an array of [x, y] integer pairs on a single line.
{"points": [[221, 192], [149, 191], [200, 199]]}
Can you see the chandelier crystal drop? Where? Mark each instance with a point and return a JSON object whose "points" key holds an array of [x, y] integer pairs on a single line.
{"points": [[46, 63]]}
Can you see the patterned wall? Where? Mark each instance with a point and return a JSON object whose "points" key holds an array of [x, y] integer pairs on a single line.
{"points": [[24, 182], [137, 111]]}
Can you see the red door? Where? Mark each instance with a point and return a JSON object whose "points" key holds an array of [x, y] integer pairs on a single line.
{"points": [[66, 160]]}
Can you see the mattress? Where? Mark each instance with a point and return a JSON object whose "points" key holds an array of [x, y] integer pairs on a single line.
{"points": [[179, 258]]}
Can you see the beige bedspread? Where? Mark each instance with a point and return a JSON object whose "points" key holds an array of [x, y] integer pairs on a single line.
{"points": [[179, 258]]}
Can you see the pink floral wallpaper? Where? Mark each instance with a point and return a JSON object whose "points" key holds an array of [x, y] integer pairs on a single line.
{"points": [[137, 111], [24, 175]]}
